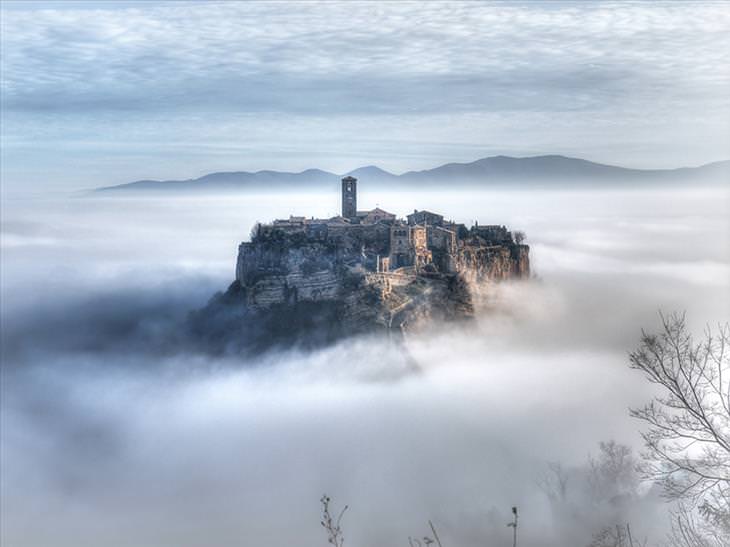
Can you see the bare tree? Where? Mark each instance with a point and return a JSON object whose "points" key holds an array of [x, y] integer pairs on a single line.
{"points": [[255, 231], [513, 525], [554, 482], [618, 536], [688, 433], [427, 541], [435, 534], [330, 524], [608, 477], [519, 237], [612, 474], [686, 531]]}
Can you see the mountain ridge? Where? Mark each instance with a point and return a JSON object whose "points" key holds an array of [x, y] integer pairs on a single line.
{"points": [[489, 171]]}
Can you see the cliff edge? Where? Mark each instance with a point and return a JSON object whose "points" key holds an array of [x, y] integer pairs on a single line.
{"points": [[307, 281]]}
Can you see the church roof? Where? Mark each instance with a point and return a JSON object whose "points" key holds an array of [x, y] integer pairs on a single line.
{"points": [[376, 211], [339, 219], [424, 212]]}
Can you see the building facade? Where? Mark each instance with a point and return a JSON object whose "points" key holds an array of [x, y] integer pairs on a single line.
{"points": [[349, 197], [378, 241]]}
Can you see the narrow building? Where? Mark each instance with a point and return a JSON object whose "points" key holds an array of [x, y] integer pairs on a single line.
{"points": [[349, 197]]}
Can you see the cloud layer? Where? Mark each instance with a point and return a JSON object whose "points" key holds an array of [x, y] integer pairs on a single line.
{"points": [[362, 58], [110, 436], [238, 84]]}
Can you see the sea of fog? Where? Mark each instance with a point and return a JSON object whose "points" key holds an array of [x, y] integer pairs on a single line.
{"points": [[107, 439]]}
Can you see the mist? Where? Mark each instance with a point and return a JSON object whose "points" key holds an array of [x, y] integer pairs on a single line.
{"points": [[113, 433]]}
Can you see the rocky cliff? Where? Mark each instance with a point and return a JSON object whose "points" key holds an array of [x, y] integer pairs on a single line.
{"points": [[283, 273], [494, 263], [308, 293]]}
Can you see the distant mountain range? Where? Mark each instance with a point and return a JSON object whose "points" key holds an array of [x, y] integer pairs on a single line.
{"points": [[552, 171]]}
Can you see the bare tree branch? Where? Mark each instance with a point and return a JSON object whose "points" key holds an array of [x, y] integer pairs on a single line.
{"points": [[331, 525], [687, 438]]}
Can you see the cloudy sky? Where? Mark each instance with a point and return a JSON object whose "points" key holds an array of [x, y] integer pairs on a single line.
{"points": [[97, 93]]}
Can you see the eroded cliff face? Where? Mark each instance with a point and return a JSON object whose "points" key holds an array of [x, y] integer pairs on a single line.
{"points": [[404, 303], [308, 293], [279, 274], [495, 263], [283, 274]]}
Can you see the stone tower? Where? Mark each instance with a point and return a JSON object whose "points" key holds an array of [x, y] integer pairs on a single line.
{"points": [[349, 197]]}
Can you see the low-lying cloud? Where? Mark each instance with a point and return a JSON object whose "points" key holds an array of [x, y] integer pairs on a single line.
{"points": [[113, 435]]}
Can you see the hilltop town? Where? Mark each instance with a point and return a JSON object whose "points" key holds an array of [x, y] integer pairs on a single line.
{"points": [[363, 270]]}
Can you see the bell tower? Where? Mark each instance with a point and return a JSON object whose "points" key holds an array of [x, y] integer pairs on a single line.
{"points": [[349, 197]]}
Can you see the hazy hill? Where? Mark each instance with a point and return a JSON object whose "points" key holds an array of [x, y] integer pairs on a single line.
{"points": [[562, 170], [554, 171], [375, 174]]}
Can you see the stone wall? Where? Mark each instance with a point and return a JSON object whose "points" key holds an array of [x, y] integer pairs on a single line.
{"points": [[276, 273], [494, 263], [286, 269], [294, 288]]}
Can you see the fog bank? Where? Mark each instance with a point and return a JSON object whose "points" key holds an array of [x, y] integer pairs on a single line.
{"points": [[111, 436]]}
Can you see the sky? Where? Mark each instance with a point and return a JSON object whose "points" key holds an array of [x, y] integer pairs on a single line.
{"points": [[114, 433], [100, 93]]}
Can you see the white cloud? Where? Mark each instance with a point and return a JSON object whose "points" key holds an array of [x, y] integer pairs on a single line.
{"points": [[85, 55], [646, 84]]}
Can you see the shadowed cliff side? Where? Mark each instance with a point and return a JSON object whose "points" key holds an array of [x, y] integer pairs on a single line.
{"points": [[365, 305], [310, 281]]}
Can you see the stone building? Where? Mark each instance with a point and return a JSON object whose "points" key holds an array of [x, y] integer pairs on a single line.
{"points": [[349, 197], [408, 246], [492, 233], [419, 241], [377, 241], [443, 243], [425, 218], [374, 216], [401, 248]]}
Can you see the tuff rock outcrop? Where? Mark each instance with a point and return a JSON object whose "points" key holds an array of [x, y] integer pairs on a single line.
{"points": [[297, 289]]}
